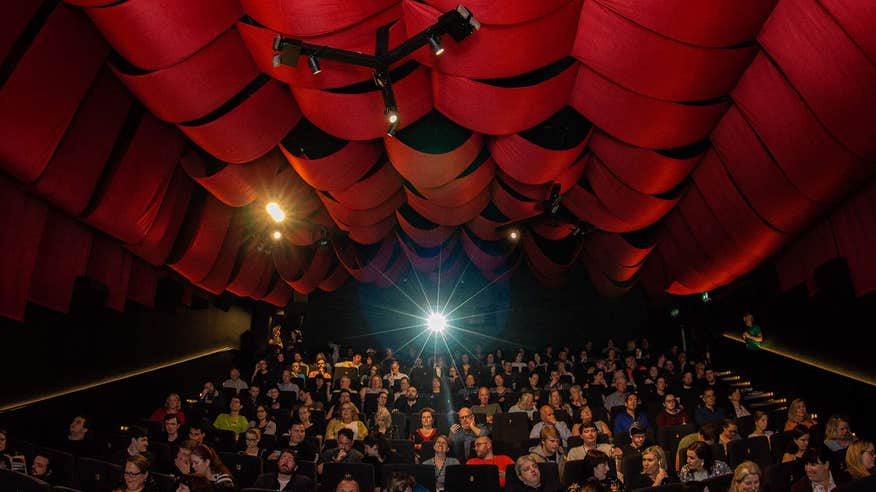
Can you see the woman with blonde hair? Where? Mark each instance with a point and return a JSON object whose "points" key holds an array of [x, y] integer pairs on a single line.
{"points": [[349, 419], [525, 404], [746, 478], [797, 415], [860, 459], [654, 468], [383, 424], [837, 433]]}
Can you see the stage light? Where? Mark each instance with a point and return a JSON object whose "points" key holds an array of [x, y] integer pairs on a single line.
{"points": [[514, 235], [275, 212], [313, 61], [674, 313], [277, 235], [437, 49], [391, 116], [436, 322], [706, 297]]}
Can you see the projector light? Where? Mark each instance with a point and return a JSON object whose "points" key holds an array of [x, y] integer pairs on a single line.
{"points": [[275, 212], [277, 235], [436, 322]]}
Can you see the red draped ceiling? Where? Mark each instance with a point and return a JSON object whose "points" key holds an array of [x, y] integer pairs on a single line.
{"points": [[689, 141]]}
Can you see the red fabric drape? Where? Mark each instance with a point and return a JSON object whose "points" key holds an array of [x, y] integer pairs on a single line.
{"points": [[40, 97], [153, 35], [206, 241], [21, 230], [156, 246], [110, 265], [312, 17], [63, 255], [143, 284], [339, 170]]}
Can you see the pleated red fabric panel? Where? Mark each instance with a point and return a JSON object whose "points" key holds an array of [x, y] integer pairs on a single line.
{"points": [[72, 174], [16, 16], [63, 255], [362, 218], [338, 170], [250, 129], [129, 204], [643, 170], [197, 85], [220, 273], [253, 274], [422, 231], [856, 19], [362, 268], [496, 110], [153, 34], [279, 294], [856, 239], [372, 190], [205, 242], [230, 184], [156, 246], [21, 230], [40, 97], [828, 70], [110, 265], [797, 263], [447, 216], [639, 120], [529, 163], [664, 68], [535, 41], [143, 284], [718, 23], [312, 17], [465, 188], [336, 278], [371, 234]]}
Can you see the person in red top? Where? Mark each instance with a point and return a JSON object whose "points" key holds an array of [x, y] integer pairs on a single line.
{"points": [[672, 413], [171, 405], [427, 430], [485, 456]]}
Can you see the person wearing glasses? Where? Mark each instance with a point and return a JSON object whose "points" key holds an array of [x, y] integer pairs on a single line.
{"points": [[485, 456], [860, 459], [466, 431], [672, 413], [546, 413], [136, 476]]}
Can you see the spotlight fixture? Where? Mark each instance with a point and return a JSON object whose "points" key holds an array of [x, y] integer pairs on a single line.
{"points": [[276, 235], [435, 43], [436, 322], [706, 298], [381, 79], [313, 61], [514, 235], [554, 200], [458, 23], [275, 212], [321, 237], [674, 313]]}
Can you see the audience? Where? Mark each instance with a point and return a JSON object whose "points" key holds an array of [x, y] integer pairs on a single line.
{"points": [[570, 383]]}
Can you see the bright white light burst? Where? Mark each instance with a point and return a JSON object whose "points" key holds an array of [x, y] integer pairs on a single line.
{"points": [[436, 322]]}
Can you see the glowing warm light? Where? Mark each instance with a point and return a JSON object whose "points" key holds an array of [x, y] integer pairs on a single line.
{"points": [[436, 322], [392, 117], [275, 212], [514, 235], [277, 235]]}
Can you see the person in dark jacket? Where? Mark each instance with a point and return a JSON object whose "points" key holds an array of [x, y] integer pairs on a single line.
{"points": [[285, 478]]}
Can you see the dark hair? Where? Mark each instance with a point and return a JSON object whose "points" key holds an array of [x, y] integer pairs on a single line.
{"points": [[136, 432], [798, 432], [383, 446], [589, 425], [206, 453], [348, 433], [636, 429], [197, 425], [195, 483], [42, 453], [727, 423], [400, 482], [710, 431], [817, 454], [171, 416], [703, 452], [597, 457]]}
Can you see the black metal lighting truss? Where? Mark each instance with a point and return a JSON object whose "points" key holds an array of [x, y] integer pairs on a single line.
{"points": [[458, 24]]}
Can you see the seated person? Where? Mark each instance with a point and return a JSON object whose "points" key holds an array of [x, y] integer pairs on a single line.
{"points": [[601, 466], [637, 441], [348, 419], [707, 411], [344, 453], [9, 459], [746, 478], [427, 430], [207, 464], [171, 426], [729, 432], [797, 415], [347, 485], [761, 424], [233, 420], [252, 438], [485, 456], [819, 477], [78, 440], [297, 444], [312, 428], [525, 404], [548, 449], [409, 402], [182, 458], [402, 482], [546, 414], [529, 475], [701, 465], [797, 445], [197, 433], [654, 472], [860, 459], [377, 453], [672, 413], [837, 433], [383, 425], [286, 477], [263, 422], [707, 433], [41, 467], [585, 414], [737, 409], [484, 406], [343, 398], [466, 431], [138, 444], [286, 382], [441, 460], [172, 405], [589, 436], [235, 382], [624, 420]]}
